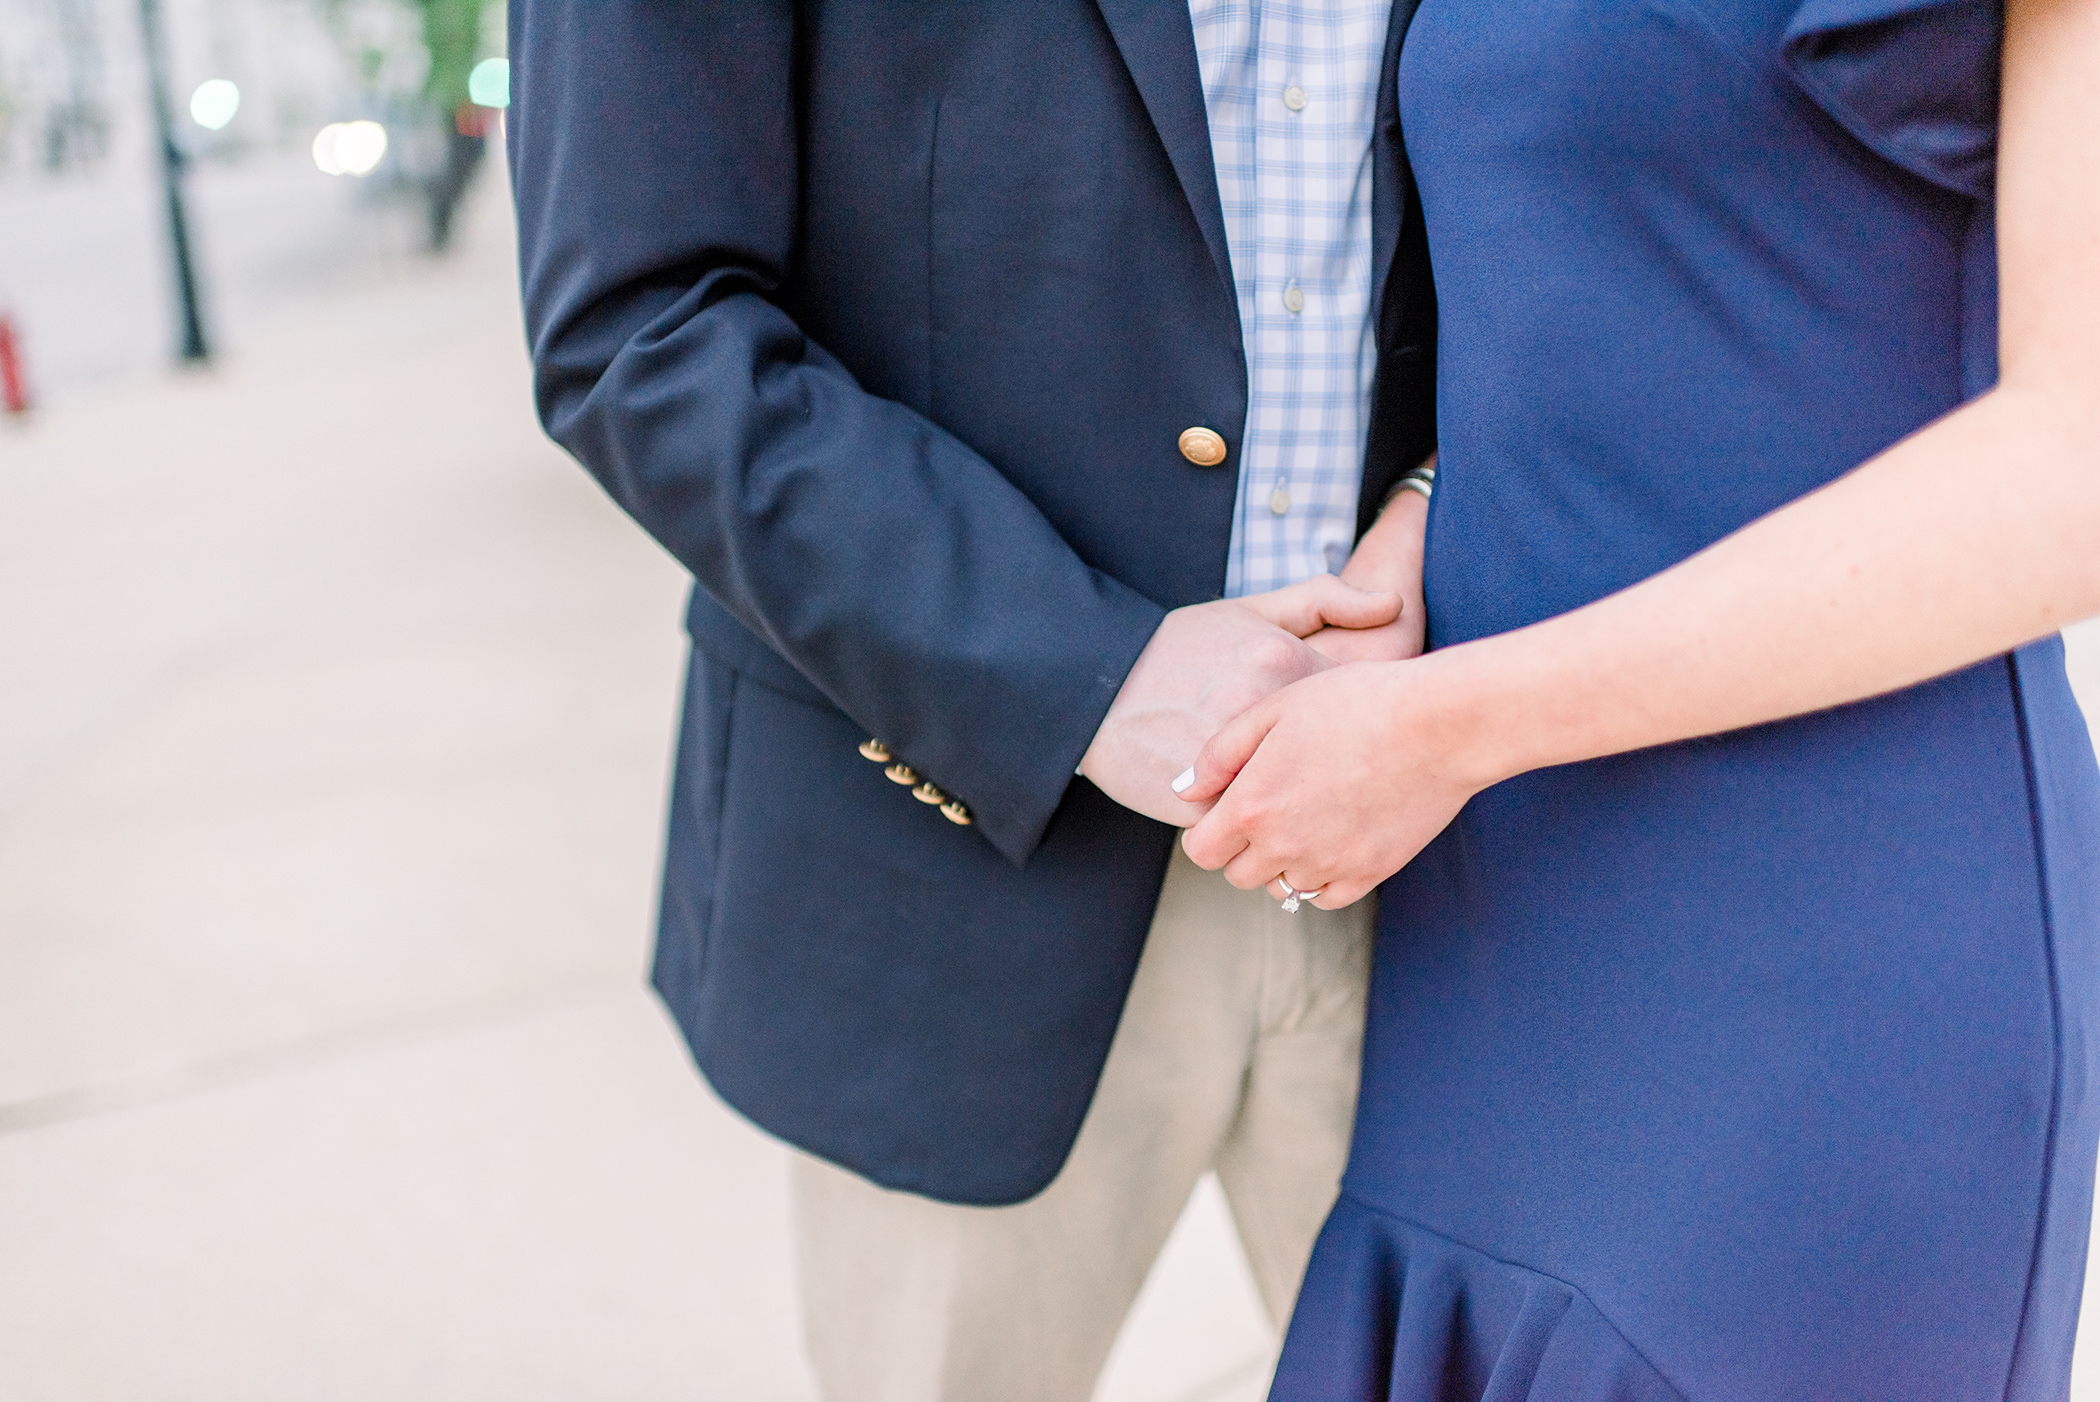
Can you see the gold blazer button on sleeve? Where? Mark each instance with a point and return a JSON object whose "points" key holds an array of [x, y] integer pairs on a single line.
{"points": [[927, 793], [1202, 446], [955, 812], [902, 774], [874, 749]]}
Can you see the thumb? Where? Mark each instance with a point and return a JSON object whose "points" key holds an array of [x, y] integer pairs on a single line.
{"points": [[1322, 602], [1225, 754]]}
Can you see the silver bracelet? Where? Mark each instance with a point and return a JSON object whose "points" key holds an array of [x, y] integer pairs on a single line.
{"points": [[1416, 479]]}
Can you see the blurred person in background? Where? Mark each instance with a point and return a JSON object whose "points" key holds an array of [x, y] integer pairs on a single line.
{"points": [[452, 34], [966, 354]]}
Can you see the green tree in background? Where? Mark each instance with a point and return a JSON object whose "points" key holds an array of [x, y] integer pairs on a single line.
{"points": [[452, 34]]}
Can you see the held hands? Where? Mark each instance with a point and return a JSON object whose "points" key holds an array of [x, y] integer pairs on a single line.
{"points": [[1207, 664], [1336, 782], [1210, 662]]}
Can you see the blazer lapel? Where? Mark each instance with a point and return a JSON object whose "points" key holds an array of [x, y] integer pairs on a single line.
{"points": [[1158, 43], [1389, 173]]}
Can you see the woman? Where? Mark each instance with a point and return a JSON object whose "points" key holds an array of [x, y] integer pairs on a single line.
{"points": [[1733, 1031]]}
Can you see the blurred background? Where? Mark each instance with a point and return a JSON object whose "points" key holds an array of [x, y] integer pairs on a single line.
{"points": [[335, 714]]}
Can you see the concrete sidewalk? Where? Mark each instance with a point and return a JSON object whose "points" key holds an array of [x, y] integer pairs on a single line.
{"points": [[332, 748]]}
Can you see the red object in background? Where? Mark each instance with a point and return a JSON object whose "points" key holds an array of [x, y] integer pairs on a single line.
{"points": [[475, 121], [14, 389]]}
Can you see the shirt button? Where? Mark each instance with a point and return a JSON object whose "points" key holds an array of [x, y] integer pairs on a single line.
{"points": [[1293, 299], [1202, 446], [1294, 98], [1280, 499]]}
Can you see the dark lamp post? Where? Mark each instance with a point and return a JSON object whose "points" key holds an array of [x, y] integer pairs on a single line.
{"points": [[194, 348]]}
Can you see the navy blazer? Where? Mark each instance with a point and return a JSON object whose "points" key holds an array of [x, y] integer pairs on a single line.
{"points": [[884, 317]]}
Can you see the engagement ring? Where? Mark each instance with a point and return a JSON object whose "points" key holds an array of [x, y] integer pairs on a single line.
{"points": [[1292, 896]]}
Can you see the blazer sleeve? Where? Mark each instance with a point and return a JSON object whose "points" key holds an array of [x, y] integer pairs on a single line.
{"points": [[653, 152]]}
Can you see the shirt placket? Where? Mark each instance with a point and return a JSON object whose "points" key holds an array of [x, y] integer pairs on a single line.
{"points": [[1278, 151]]}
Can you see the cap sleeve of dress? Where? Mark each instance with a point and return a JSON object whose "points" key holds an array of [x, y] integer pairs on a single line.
{"points": [[1916, 80]]}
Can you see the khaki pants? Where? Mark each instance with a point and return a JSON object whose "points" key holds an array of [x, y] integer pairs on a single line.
{"points": [[1237, 1052]]}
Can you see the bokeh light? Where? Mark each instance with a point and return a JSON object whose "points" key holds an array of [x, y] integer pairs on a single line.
{"points": [[213, 104], [489, 84], [350, 148]]}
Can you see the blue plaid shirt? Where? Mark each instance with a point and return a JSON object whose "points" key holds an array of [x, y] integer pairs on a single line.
{"points": [[1292, 91]]}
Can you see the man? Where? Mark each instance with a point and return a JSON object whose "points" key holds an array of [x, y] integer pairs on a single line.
{"points": [[965, 352]]}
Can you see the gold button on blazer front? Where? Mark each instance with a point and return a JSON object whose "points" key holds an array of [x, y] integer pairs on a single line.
{"points": [[1202, 446]]}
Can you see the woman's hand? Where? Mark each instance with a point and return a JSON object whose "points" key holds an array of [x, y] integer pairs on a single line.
{"points": [[1337, 781]]}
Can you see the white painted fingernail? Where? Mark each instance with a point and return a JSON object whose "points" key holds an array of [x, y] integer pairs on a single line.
{"points": [[1185, 780]]}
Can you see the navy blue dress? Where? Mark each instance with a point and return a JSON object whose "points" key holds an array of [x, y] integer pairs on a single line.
{"points": [[1764, 1066]]}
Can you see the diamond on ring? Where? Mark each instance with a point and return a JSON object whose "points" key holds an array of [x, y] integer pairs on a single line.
{"points": [[1292, 896]]}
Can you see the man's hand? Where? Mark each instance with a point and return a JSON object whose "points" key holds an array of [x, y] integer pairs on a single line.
{"points": [[1389, 560], [1205, 665]]}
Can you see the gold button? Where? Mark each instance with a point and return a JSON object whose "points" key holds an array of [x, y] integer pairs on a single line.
{"points": [[1202, 446], [954, 812], [902, 774], [927, 793], [874, 749]]}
